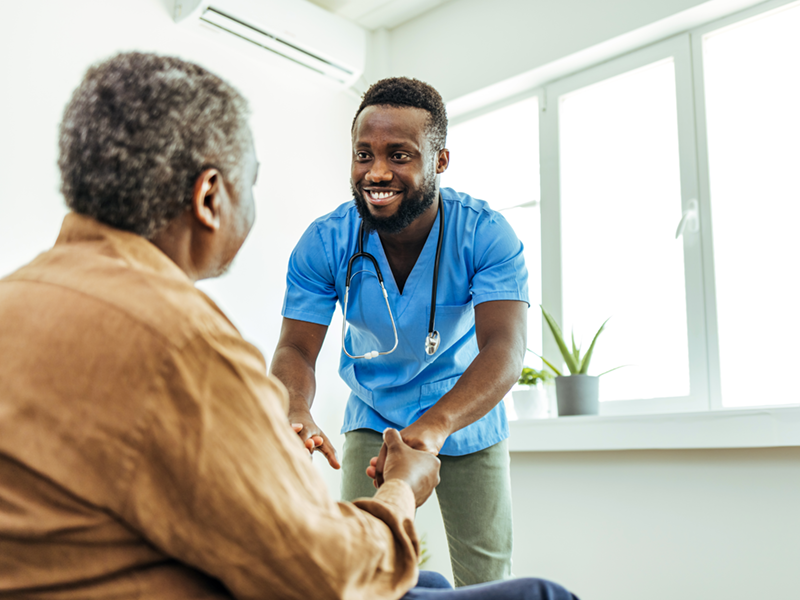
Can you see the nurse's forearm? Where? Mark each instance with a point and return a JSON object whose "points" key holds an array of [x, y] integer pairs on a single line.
{"points": [[501, 331], [482, 386], [294, 364], [295, 360], [297, 375]]}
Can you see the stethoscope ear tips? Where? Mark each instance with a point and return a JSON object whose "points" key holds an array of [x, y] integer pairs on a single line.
{"points": [[432, 343], [372, 354]]}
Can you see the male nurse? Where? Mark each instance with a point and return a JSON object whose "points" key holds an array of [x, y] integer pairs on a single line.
{"points": [[439, 381]]}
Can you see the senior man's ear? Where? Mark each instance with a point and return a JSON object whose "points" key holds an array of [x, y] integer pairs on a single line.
{"points": [[207, 198]]}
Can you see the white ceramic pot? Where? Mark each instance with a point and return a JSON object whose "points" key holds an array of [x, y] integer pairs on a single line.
{"points": [[531, 402]]}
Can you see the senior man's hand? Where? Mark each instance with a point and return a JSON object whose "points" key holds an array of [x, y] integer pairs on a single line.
{"points": [[397, 460]]}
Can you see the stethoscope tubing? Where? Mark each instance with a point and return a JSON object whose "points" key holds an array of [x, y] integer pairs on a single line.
{"points": [[432, 340], [373, 353], [435, 285]]}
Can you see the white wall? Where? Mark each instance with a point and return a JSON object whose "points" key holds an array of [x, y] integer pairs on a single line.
{"points": [[660, 525], [301, 130], [466, 45]]}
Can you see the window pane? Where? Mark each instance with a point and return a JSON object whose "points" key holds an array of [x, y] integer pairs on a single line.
{"points": [[752, 87], [495, 157], [620, 205]]}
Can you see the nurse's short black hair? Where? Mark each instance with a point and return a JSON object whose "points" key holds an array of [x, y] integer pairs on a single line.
{"points": [[402, 92], [138, 131]]}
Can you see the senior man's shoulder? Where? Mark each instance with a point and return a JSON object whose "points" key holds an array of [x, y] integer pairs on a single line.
{"points": [[114, 283]]}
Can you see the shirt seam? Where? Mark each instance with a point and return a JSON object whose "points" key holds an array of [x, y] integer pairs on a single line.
{"points": [[328, 254]]}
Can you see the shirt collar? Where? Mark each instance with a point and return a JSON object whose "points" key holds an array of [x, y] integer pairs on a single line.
{"points": [[135, 250]]}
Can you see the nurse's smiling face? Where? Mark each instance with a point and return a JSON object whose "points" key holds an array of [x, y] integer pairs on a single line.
{"points": [[393, 170]]}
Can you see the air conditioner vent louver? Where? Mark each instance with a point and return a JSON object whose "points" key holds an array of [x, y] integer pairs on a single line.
{"points": [[275, 44]]}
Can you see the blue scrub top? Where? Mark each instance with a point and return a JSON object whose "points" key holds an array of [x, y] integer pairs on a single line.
{"points": [[481, 260]]}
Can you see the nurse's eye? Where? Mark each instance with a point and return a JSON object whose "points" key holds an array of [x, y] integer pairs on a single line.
{"points": [[362, 156], [400, 156]]}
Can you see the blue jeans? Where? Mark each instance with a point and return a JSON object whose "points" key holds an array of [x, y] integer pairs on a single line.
{"points": [[433, 586]]}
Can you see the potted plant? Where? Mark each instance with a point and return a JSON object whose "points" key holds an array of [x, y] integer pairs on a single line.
{"points": [[578, 392], [531, 400]]}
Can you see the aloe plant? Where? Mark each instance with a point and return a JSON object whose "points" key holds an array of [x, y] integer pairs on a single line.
{"points": [[577, 364]]}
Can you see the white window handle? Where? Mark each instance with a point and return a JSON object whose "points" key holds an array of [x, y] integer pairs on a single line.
{"points": [[689, 220]]}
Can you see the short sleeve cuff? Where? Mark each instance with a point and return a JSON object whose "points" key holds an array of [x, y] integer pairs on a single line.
{"points": [[500, 295], [308, 316]]}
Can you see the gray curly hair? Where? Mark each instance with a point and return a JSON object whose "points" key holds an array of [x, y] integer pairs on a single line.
{"points": [[138, 131]]}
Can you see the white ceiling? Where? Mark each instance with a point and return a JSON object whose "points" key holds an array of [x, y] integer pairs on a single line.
{"points": [[374, 14]]}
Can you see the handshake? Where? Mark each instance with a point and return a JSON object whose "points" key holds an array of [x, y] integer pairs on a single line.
{"points": [[397, 460]]}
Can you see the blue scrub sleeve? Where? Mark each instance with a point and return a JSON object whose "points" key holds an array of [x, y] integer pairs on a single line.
{"points": [[500, 272], [310, 288]]}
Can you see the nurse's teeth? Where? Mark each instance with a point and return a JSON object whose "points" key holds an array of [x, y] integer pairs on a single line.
{"points": [[381, 195]]}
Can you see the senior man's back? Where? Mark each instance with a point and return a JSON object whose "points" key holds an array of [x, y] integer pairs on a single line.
{"points": [[97, 337], [138, 429]]}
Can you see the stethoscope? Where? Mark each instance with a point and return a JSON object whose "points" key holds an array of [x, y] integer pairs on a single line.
{"points": [[433, 339]]}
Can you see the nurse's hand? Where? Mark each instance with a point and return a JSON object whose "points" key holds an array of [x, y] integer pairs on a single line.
{"points": [[313, 438], [425, 437], [397, 460]]}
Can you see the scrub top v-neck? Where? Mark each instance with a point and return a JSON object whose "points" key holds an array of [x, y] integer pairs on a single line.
{"points": [[481, 260]]}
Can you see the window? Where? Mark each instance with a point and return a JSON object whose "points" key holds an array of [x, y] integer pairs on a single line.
{"points": [[669, 202], [618, 140], [620, 202], [752, 108]]}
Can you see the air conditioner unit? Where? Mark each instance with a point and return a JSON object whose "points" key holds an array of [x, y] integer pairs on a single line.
{"points": [[295, 30]]}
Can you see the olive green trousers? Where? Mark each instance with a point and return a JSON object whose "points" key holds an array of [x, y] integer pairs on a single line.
{"points": [[474, 496]]}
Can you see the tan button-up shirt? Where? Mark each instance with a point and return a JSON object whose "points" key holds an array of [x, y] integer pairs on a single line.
{"points": [[145, 453]]}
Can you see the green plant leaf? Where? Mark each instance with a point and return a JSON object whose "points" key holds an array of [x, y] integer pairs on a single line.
{"points": [[531, 376], [559, 337], [424, 555], [576, 352], [614, 369], [547, 362], [585, 364]]}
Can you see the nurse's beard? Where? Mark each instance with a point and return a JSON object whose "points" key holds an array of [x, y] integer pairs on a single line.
{"points": [[411, 207]]}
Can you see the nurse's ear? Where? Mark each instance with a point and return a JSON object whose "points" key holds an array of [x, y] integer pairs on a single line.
{"points": [[442, 160]]}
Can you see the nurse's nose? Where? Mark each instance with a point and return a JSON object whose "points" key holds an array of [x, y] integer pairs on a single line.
{"points": [[379, 171]]}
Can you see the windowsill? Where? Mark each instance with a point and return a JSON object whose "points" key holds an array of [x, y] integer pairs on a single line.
{"points": [[750, 428]]}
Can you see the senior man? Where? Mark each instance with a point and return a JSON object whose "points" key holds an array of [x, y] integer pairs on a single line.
{"points": [[144, 451]]}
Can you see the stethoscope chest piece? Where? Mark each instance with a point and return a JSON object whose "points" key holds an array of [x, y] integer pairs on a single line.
{"points": [[432, 343]]}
